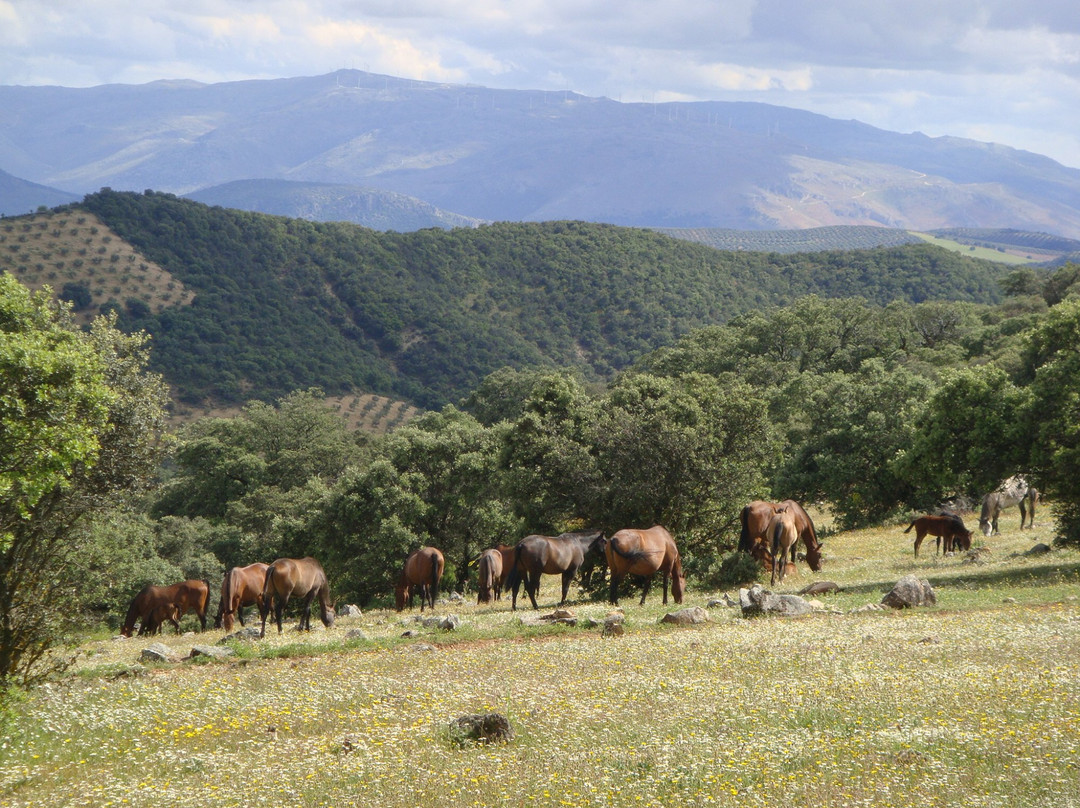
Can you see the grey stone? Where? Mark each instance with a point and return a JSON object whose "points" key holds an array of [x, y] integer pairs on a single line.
{"points": [[759, 600], [686, 617], [155, 652], [908, 592], [210, 651]]}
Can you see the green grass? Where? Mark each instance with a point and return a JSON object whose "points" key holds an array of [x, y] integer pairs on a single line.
{"points": [[1017, 256], [974, 701]]}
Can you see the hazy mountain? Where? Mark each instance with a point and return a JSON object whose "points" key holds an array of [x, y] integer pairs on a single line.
{"points": [[19, 196], [328, 202], [530, 155]]}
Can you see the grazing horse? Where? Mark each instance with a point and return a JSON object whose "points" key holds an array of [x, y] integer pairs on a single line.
{"points": [[299, 577], [153, 624], [948, 527], [241, 586], [549, 555], [755, 519], [782, 535], [489, 575], [1013, 491], [423, 570], [644, 552], [186, 596]]}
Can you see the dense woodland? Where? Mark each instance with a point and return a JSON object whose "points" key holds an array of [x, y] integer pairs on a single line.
{"points": [[876, 406], [284, 304]]}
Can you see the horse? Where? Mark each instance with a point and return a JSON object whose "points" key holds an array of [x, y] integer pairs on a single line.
{"points": [[153, 624], [187, 596], [299, 577], [782, 535], [241, 586], [537, 555], [644, 552], [489, 576], [755, 519], [422, 570], [1014, 491], [948, 527]]}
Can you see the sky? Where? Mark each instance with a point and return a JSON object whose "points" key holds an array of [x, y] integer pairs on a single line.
{"points": [[1001, 71]]}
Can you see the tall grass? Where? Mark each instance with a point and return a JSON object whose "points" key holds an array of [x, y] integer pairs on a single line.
{"points": [[975, 701]]}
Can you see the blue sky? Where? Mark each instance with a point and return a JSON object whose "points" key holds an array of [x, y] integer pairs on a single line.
{"points": [[990, 70]]}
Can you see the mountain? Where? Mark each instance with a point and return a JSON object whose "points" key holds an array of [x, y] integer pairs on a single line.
{"points": [[523, 155], [19, 196], [330, 202]]}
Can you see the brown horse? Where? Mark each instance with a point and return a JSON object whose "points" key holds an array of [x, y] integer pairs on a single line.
{"points": [[549, 555], [949, 527], [782, 535], [157, 618], [1013, 491], [241, 586], [489, 576], [755, 519], [299, 577], [423, 570], [186, 596], [644, 552]]}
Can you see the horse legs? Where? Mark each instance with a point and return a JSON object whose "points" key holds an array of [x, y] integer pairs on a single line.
{"points": [[645, 591], [279, 610], [532, 586], [305, 613], [566, 578], [614, 597]]}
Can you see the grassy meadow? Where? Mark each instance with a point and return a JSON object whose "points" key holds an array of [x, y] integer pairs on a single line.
{"points": [[974, 701]]}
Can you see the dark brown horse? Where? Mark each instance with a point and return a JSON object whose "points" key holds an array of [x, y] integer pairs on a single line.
{"points": [[187, 596], [241, 586], [295, 577], [644, 553], [549, 555], [755, 519], [948, 527], [157, 618], [422, 571], [489, 576], [1014, 491], [782, 535]]}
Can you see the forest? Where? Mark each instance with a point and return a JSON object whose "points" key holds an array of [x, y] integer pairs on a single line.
{"points": [[284, 304], [873, 408]]}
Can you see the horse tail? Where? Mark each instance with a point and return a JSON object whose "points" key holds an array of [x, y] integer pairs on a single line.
{"points": [[225, 604], [629, 555], [513, 578], [909, 527], [744, 534], [436, 574]]}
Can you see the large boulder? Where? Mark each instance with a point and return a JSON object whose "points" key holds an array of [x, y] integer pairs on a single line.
{"points": [[910, 591], [686, 617], [759, 600]]}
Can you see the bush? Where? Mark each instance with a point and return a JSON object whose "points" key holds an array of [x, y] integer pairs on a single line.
{"points": [[734, 570]]}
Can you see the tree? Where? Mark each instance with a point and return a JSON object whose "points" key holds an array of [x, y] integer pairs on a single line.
{"points": [[80, 426]]}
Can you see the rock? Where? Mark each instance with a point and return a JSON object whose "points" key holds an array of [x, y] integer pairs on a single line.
{"points": [[686, 617], [1038, 549], [450, 622], [820, 588], [932, 639], [759, 600], [410, 633], [910, 591], [213, 651], [420, 648], [155, 652], [350, 610], [355, 634], [613, 627], [868, 607], [249, 633], [481, 729]]}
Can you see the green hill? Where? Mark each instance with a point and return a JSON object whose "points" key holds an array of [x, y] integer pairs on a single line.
{"points": [[279, 304]]}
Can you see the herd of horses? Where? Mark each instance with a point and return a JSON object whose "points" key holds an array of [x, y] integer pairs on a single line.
{"points": [[770, 532]]}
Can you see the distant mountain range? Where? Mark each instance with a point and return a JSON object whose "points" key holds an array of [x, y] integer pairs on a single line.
{"points": [[332, 143]]}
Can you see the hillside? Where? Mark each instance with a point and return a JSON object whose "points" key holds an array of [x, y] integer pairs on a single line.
{"points": [[524, 155], [278, 304]]}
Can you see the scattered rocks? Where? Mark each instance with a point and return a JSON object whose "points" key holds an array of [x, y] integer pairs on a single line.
{"points": [[420, 648], [243, 635], [481, 729], [908, 592], [212, 651], [447, 622], [686, 617], [820, 588], [759, 600], [725, 602], [156, 652]]}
